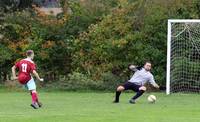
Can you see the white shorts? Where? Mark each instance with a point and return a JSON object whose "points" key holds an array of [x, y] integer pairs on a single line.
{"points": [[30, 85]]}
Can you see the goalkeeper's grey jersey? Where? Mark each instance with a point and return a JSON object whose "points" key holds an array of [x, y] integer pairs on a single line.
{"points": [[142, 76]]}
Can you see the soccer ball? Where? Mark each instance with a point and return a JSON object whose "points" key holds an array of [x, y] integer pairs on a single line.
{"points": [[151, 99]]}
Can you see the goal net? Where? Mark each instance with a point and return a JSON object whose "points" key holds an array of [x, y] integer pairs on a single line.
{"points": [[183, 56]]}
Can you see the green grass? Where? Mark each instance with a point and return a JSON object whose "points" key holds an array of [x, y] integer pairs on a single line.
{"points": [[97, 107]]}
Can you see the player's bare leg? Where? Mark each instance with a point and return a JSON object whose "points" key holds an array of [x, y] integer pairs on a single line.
{"points": [[118, 92], [142, 89]]}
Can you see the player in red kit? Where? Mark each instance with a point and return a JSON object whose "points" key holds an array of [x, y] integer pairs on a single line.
{"points": [[26, 68]]}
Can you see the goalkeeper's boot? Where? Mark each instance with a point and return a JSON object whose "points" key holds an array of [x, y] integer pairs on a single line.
{"points": [[132, 101], [115, 101]]}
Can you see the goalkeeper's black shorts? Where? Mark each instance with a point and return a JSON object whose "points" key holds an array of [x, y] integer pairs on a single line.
{"points": [[131, 86]]}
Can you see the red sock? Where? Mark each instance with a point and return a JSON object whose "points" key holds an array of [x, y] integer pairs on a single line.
{"points": [[34, 96]]}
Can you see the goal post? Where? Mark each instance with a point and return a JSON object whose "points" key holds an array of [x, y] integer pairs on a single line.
{"points": [[183, 56]]}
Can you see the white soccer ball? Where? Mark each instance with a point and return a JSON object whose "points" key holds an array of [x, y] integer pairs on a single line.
{"points": [[151, 99]]}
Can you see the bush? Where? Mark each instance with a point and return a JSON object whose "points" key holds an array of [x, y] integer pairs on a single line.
{"points": [[79, 81], [110, 81]]}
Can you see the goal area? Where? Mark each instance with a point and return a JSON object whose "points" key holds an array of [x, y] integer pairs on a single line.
{"points": [[183, 56]]}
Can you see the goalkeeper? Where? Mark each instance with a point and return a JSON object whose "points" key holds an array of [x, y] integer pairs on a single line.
{"points": [[137, 81]]}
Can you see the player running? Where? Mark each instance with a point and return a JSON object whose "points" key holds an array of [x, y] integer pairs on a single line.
{"points": [[26, 68], [137, 81]]}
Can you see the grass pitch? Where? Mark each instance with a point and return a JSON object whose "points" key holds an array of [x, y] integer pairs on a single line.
{"points": [[98, 107]]}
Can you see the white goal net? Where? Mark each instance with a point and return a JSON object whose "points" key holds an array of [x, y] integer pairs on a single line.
{"points": [[183, 58]]}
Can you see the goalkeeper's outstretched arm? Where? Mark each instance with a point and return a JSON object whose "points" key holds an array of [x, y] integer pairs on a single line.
{"points": [[156, 85], [134, 68], [152, 81]]}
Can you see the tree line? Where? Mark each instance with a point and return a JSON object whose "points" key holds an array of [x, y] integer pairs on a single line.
{"points": [[90, 46]]}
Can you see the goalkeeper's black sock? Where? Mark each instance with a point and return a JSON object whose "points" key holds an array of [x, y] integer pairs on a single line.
{"points": [[117, 96], [138, 94]]}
